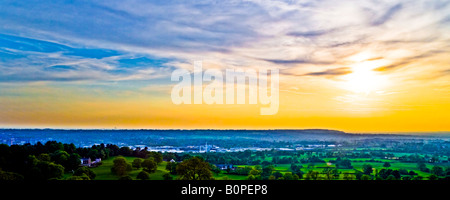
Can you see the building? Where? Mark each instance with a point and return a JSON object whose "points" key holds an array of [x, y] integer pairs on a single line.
{"points": [[87, 162], [225, 166]]}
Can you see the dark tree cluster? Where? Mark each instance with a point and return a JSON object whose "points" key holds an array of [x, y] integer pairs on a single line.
{"points": [[52, 159], [38, 161], [342, 163], [194, 168]]}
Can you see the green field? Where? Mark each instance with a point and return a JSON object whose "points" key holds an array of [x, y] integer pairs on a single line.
{"points": [[357, 164], [103, 172]]}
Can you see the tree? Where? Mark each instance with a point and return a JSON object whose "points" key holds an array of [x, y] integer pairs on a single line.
{"points": [[335, 173], [265, 163], [125, 151], [73, 162], [412, 173], [214, 169], [53, 146], [386, 164], [48, 170], [358, 175], [169, 156], [60, 157], [344, 163], [267, 170], [384, 173], [294, 168], [93, 154], [85, 171], [157, 157], [396, 174], [10, 176], [186, 156], [255, 172], [137, 163], [403, 171], [438, 171], [328, 173], [433, 177], [244, 170], [167, 176], [194, 169], [312, 175], [44, 157], [367, 169], [348, 176], [422, 167], [171, 167], [120, 166], [143, 175], [288, 176], [149, 165], [299, 174], [277, 174], [365, 177], [70, 148]]}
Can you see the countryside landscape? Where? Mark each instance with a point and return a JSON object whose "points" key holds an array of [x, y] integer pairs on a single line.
{"points": [[191, 99], [29, 154]]}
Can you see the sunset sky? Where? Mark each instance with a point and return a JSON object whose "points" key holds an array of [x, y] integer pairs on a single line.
{"points": [[356, 66]]}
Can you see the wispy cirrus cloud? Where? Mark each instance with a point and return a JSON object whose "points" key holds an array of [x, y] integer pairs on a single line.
{"points": [[30, 60], [284, 34], [331, 72], [387, 15]]}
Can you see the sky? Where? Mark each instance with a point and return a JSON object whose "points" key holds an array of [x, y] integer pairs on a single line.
{"points": [[356, 66]]}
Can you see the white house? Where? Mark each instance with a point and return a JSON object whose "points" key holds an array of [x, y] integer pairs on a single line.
{"points": [[87, 162]]}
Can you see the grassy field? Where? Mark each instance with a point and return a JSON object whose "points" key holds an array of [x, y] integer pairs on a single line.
{"points": [[357, 165], [222, 176], [104, 171]]}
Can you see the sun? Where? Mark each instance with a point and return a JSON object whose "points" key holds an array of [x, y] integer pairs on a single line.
{"points": [[363, 79]]}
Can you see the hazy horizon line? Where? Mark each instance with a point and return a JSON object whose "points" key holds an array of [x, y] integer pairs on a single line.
{"points": [[232, 129]]}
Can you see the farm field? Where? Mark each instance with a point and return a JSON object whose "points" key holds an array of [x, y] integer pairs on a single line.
{"points": [[103, 172]]}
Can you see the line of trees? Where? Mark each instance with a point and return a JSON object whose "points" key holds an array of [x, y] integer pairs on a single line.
{"points": [[193, 168], [52, 159]]}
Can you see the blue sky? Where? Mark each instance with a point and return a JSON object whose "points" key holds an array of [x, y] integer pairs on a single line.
{"points": [[113, 39]]}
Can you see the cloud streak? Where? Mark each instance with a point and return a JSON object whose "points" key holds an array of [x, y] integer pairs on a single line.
{"points": [[30, 60], [290, 35], [331, 72]]}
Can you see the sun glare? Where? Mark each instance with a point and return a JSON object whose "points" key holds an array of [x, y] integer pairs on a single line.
{"points": [[364, 79]]}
